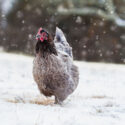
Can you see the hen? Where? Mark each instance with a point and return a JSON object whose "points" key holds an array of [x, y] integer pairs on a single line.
{"points": [[53, 68]]}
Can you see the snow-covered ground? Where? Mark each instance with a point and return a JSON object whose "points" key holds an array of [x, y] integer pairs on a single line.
{"points": [[98, 100]]}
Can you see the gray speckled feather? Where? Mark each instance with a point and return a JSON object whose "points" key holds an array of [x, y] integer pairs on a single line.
{"points": [[61, 43]]}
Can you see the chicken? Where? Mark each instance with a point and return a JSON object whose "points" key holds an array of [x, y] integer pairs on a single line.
{"points": [[53, 68]]}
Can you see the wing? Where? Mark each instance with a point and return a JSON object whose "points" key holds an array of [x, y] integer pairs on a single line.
{"points": [[61, 43]]}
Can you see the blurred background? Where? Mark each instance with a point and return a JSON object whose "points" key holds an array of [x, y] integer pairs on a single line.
{"points": [[94, 28]]}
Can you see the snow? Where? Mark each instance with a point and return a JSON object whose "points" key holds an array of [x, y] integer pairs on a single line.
{"points": [[99, 98], [120, 22], [7, 5]]}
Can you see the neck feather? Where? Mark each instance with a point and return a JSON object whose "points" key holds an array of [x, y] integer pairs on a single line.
{"points": [[45, 48]]}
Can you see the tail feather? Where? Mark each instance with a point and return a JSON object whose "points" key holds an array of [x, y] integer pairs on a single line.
{"points": [[61, 42], [60, 36]]}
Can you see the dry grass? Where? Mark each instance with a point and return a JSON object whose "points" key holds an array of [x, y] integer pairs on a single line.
{"points": [[42, 102], [38, 101], [100, 97]]}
